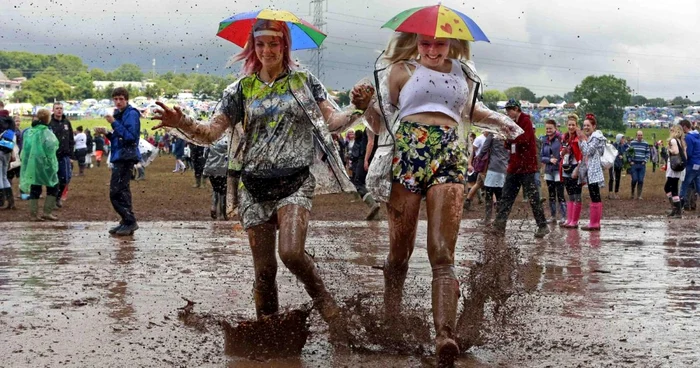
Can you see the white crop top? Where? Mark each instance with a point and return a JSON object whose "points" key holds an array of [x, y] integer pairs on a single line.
{"points": [[431, 91]]}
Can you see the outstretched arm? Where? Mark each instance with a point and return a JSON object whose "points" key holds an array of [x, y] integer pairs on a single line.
{"points": [[198, 132]]}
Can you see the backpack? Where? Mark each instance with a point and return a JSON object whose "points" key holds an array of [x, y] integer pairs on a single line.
{"points": [[7, 143]]}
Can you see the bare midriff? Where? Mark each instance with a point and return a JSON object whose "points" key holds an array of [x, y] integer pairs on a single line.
{"points": [[431, 118]]}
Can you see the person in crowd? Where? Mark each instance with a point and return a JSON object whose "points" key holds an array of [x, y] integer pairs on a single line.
{"points": [[62, 128], [641, 153], [432, 90], [359, 173], [40, 167], [522, 167], [167, 142], [592, 144], [340, 145], [550, 155], [654, 156], [198, 160], [288, 118], [15, 165], [126, 125], [90, 141], [692, 166], [349, 143], [571, 157], [615, 172], [216, 169], [676, 148], [8, 141], [80, 150], [99, 148], [495, 178], [478, 177], [179, 152]]}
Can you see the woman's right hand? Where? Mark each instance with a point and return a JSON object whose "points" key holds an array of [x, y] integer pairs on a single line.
{"points": [[169, 118]]}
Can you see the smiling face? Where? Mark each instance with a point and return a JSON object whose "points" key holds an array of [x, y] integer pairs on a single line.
{"points": [[269, 50], [550, 129], [588, 127], [433, 51], [573, 126]]}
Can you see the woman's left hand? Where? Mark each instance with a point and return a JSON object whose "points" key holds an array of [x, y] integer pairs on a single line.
{"points": [[581, 135]]}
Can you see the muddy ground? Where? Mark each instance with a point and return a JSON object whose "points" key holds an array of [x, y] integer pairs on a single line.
{"points": [[167, 196], [70, 295]]}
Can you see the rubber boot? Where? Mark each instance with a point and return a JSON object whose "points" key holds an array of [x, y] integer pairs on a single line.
{"points": [[634, 186], [576, 215], [222, 206], [563, 212], [640, 187], [569, 214], [394, 279], [488, 212], [214, 205], [49, 205], [9, 199], [373, 207], [2, 198], [596, 212], [34, 210], [677, 210], [266, 301], [197, 182], [553, 211], [444, 299]]}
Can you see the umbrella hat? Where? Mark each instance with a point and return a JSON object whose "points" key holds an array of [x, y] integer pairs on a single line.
{"points": [[437, 21], [303, 34]]}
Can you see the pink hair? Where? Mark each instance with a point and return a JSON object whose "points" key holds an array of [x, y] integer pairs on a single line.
{"points": [[252, 64]]}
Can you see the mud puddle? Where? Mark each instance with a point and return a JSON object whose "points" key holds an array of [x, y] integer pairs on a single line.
{"points": [[628, 296]]}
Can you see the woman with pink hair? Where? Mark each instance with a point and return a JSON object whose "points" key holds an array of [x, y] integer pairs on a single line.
{"points": [[283, 155]]}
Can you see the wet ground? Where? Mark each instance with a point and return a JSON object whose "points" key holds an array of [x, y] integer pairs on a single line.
{"points": [[72, 296]]}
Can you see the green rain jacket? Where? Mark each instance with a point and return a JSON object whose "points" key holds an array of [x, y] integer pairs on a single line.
{"points": [[39, 162]]}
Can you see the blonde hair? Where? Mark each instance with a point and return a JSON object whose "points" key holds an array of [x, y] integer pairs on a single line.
{"points": [[676, 133], [573, 117], [404, 46], [43, 115]]}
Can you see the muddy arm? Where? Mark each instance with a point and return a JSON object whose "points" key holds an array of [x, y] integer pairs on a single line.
{"points": [[201, 133]]}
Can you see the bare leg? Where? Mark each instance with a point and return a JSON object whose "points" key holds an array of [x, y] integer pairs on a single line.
{"points": [[444, 216], [403, 209], [262, 245], [293, 226]]}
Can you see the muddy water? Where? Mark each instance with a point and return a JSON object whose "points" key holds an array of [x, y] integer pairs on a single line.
{"points": [[628, 296]]}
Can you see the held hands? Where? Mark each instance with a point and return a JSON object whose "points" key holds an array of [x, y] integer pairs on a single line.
{"points": [[169, 118], [361, 95], [553, 160]]}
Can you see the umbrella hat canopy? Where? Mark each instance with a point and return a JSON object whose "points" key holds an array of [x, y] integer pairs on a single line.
{"points": [[437, 21], [303, 34]]}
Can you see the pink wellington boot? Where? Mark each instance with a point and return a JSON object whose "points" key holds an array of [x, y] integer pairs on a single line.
{"points": [[576, 215], [596, 212]]}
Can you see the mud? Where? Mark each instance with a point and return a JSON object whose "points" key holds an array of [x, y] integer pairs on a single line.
{"points": [[628, 296], [166, 196]]}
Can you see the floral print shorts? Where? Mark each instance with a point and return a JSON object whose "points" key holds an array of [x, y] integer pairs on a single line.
{"points": [[427, 155]]}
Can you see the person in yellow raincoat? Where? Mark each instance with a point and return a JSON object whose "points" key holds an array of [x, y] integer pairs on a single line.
{"points": [[40, 167]]}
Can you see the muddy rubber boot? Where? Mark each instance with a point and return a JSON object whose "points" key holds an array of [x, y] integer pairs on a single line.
{"points": [[488, 212], [34, 210], [394, 279], [640, 187], [373, 207], [2, 198], [677, 210], [9, 199], [197, 182], [49, 205], [563, 212], [445, 296], [214, 205], [634, 186], [266, 301], [222, 206]]}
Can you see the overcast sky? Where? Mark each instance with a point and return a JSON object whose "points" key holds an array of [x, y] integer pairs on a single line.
{"points": [[546, 45]]}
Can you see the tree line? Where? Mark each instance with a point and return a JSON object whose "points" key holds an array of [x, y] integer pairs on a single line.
{"points": [[63, 77]]}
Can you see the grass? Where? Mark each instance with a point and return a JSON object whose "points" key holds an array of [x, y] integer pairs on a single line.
{"points": [[97, 122]]}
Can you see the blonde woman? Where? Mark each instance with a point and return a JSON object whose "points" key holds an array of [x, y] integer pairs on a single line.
{"points": [[286, 156], [676, 151], [433, 92]]}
